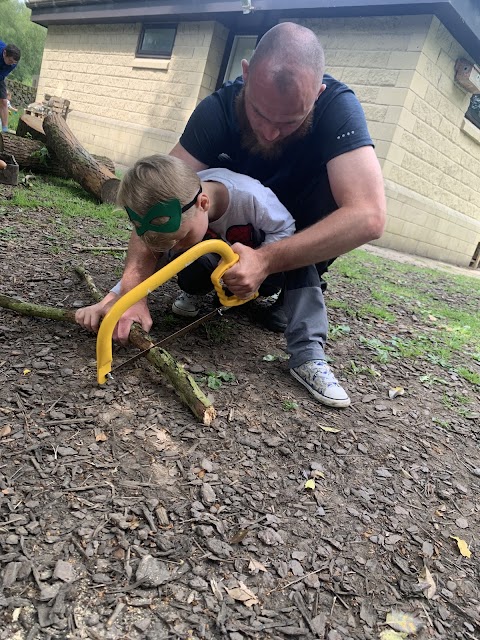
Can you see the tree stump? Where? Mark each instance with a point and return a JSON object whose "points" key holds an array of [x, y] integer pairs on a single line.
{"points": [[80, 165], [32, 125]]}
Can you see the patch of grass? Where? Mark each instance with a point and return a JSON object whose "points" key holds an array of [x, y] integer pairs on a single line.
{"points": [[445, 306], [469, 375], [370, 310], [443, 424], [73, 203]]}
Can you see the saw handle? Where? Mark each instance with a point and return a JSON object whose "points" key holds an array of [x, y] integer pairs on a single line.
{"points": [[216, 278], [109, 322]]}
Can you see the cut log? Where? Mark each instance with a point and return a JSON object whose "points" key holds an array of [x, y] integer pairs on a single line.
{"points": [[80, 165], [31, 155], [32, 126]]}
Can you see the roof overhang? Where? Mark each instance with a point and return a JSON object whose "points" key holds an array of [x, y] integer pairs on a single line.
{"points": [[460, 17]]}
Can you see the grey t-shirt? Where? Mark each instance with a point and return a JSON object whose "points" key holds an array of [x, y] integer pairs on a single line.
{"points": [[254, 215]]}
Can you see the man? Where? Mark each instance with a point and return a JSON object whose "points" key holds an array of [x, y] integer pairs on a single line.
{"points": [[304, 135], [9, 57]]}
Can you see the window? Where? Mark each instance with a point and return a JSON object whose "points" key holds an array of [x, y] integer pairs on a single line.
{"points": [[242, 48], [473, 112], [156, 41]]}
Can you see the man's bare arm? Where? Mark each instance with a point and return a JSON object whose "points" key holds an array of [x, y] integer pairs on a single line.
{"points": [[357, 186], [182, 154]]}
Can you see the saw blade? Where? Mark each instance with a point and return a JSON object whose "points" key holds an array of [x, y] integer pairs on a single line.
{"points": [[189, 327]]}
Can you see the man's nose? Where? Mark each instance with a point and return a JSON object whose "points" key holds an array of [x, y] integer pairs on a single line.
{"points": [[270, 132]]}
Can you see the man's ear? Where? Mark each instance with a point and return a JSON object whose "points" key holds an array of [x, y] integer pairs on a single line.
{"points": [[244, 70], [322, 89]]}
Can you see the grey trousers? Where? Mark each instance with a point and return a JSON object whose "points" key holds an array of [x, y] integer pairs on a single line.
{"points": [[307, 322]]}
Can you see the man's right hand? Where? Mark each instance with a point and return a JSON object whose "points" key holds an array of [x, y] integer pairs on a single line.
{"points": [[136, 313]]}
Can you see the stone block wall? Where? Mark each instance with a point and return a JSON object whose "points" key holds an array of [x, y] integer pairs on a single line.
{"points": [[402, 70], [122, 106], [22, 94], [400, 67]]}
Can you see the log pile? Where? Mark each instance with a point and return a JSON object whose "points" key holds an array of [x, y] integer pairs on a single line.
{"points": [[51, 147]]}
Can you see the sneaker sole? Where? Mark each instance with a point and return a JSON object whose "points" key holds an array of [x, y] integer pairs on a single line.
{"points": [[330, 402], [182, 312]]}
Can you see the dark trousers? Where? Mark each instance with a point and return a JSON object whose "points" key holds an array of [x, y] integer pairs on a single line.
{"points": [[195, 279]]}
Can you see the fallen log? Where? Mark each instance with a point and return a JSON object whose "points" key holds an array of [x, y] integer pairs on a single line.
{"points": [[187, 389], [34, 156], [81, 166]]}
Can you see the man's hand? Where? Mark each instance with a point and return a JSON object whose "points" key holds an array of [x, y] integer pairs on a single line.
{"points": [[246, 276], [136, 313]]}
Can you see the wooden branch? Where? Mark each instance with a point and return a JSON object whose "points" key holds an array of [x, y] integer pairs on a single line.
{"points": [[185, 386]]}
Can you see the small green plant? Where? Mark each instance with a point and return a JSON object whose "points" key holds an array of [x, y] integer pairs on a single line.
{"points": [[272, 357], [42, 155], [429, 380], [216, 379], [218, 331], [289, 405], [382, 351], [338, 330], [444, 424]]}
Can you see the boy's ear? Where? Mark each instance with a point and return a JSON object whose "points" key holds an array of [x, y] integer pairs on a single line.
{"points": [[204, 201]]}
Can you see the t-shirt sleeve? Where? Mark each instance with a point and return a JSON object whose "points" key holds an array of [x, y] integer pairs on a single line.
{"points": [[206, 132], [273, 218], [344, 126]]}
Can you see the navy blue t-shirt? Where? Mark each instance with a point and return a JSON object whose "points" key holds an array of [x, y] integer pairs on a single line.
{"points": [[298, 177], [5, 69]]}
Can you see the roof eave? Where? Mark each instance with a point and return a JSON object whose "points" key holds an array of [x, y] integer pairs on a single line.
{"points": [[459, 16]]}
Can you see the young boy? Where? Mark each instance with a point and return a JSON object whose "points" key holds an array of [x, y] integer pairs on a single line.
{"points": [[172, 208], [9, 104]]}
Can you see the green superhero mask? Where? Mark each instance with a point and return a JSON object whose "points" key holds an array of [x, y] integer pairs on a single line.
{"points": [[171, 209]]}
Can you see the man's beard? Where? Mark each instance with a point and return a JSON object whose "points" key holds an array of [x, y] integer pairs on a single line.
{"points": [[252, 144]]}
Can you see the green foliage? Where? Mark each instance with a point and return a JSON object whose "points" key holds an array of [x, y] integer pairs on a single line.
{"points": [[215, 379], [289, 405], [16, 28], [42, 155]]}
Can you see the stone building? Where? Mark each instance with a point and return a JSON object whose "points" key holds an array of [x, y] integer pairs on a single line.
{"points": [[134, 70]]}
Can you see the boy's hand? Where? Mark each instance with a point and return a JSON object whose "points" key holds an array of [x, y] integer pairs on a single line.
{"points": [[90, 317], [137, 313]]}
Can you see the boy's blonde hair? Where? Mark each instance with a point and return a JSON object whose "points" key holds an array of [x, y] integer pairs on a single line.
{"points": [[158, 178]]}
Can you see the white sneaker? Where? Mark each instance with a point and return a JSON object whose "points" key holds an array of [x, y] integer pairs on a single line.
{"points": [[318, 378], [186, 305]]}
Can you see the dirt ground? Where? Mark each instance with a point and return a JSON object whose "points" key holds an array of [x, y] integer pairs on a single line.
{"points": [[122, 517]]}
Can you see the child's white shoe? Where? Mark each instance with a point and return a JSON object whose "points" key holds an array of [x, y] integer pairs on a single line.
{"points": [[186, 305]]}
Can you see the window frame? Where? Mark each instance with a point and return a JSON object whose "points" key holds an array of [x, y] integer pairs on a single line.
{"points": [[473, 115], [155, 55]]}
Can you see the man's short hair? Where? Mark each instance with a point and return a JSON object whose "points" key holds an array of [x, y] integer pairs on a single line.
{"points": [[12, 51]]}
